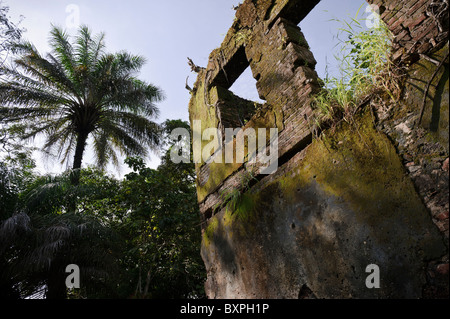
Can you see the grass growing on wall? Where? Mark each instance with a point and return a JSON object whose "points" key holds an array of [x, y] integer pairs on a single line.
{"points": [[365, 68]]}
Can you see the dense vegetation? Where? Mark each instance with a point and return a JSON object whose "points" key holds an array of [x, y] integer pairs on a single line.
{"points": [[138, 237]]}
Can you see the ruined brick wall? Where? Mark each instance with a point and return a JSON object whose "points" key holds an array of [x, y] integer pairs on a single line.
{"points": [[316, 223], [418, 26], [418, 125], [265, 37]]}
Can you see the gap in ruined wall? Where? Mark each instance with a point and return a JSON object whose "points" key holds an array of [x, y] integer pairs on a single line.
{"points": [[245, 87]]}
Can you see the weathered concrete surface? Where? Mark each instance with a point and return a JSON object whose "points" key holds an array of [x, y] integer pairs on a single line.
{"points": [[424, 150], [328, 213]]}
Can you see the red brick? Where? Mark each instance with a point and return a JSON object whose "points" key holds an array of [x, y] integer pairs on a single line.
{"points": [[411, 3], [396, 30], [402, 35], [411, 23], [397, 23], [397, 54], [416, 7], [386, 15], [445, 165], [442, 216], [425, 47], [425, 31], [394, 18], [442, 269]]}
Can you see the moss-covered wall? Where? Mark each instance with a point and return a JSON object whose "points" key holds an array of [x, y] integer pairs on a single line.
{"points": [[263, 32], [423, 146], [341, 204], [370, 191]]}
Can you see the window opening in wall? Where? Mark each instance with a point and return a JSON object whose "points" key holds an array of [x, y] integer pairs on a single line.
{"points": [[240, 106], [245, 87], [236, 109]]}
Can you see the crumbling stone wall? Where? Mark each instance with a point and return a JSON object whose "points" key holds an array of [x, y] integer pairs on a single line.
{"points": [[421, 140], [418, 124], [334, 206], [261, 34], [418, 26]]}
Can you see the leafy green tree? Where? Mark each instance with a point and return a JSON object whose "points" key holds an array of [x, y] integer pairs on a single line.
{"points": [[10, 33], [16, 171], [164, 233], [139, 237], [170, 225], [76, 92], [155, 211], [40, 238]]}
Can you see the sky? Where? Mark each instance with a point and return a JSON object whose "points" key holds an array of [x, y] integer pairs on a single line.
{"points": [[166, 33]]}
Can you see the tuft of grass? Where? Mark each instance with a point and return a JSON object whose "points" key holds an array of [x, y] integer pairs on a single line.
{"points": [[365, 68], [232, 198]]}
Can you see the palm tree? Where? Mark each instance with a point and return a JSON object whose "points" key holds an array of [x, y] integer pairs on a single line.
{"points": [[78, 92]]}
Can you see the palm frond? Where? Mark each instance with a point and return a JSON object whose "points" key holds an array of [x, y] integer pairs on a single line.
{"points": [[16, 114], [63, 51], [63, 140], [135, 96], [48, 71], [14, 93], [140, 128], [13, 226], [121, 139]]}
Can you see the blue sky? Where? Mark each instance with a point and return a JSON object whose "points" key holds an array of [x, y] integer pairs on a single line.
{"points": [[166, 33]]}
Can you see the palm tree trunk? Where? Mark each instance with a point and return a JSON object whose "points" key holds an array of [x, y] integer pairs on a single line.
{"points": [[56, 288], [78, 157], [56, 284]]}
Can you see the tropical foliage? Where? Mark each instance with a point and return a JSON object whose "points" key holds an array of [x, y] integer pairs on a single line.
{"points": [[138, 237], [134, 238], [10, 33]]}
